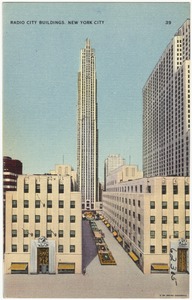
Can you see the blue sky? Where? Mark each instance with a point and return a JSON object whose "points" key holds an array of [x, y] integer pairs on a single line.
{"points": [[40, 66]]}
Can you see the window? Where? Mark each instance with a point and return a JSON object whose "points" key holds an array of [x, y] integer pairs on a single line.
{"points": [[25, 248], [60, 248], [61, 188], [186, 189], [49, 203], [37, 233], [60, 233], [176, 234], [37, 218], [175, 189], [176, 220], [61, 204], [72, 219], [187, 205], [49, 219], [152, 219], [14, 248], [152, 204], [152, 234], [164, 189], [26, 203], [133, 202], [49, 188], [164, 234], [152, 249], [14, 203], [139, 203], [72, 248], [187, 235], [61, 219], [139, 217], [164, 249], [25, 233], [72, 204], [187, 219], [14, 233], [175, 204], [149, 189], [37, 203], [72, 233], [164, 204], [26, 188], [37, 188], [49, 233], [164, 219], [14, 218], [26, 219], [141, 188]]}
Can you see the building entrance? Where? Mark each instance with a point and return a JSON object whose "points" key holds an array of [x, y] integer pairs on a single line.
{"points": [[182, 260], [42, 260]]}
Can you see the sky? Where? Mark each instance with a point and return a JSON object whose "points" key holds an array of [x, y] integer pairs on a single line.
{"points": [[40, 66]]}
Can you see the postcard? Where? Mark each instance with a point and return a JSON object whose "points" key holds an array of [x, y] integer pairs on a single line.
{"points": [[96, 158]]}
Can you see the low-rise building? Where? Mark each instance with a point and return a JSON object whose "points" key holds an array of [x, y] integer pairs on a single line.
{"points": [[43, 225], [151, 218]]}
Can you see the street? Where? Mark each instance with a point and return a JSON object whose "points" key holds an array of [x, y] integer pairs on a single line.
{"points": [[123, 280]]}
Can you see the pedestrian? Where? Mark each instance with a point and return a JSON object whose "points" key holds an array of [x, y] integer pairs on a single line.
{"points": [[84, 271]]}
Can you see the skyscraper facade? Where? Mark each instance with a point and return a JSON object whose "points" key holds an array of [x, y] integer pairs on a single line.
{"points": [[87, 132], [166, 110]]}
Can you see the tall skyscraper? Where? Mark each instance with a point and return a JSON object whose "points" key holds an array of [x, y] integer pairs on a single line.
{"points": [[87, 132], [166, 110]]}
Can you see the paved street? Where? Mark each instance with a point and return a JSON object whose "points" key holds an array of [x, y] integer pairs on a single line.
{"points": [[124, 280]]}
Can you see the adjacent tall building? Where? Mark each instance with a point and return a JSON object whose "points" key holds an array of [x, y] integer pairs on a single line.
{"points": [[150, 217], [166, 110], [87, 132]]}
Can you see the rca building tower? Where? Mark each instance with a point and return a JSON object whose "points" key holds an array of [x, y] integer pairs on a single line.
{"points": [[166, 110], [87, 132]]}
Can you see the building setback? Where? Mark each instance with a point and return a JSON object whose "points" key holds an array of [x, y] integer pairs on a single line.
{"points": [[150, 217], [87, 132], [166, 110], [43, 225]]}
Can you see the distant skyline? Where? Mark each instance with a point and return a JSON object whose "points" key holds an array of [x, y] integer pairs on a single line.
{"points": [[40, 67]]}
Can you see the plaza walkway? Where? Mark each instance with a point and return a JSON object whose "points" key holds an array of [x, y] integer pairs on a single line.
{"points": [[123, 280]]}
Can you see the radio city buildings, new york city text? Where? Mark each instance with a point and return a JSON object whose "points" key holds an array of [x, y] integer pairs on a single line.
{"points": [[149, 215]]}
